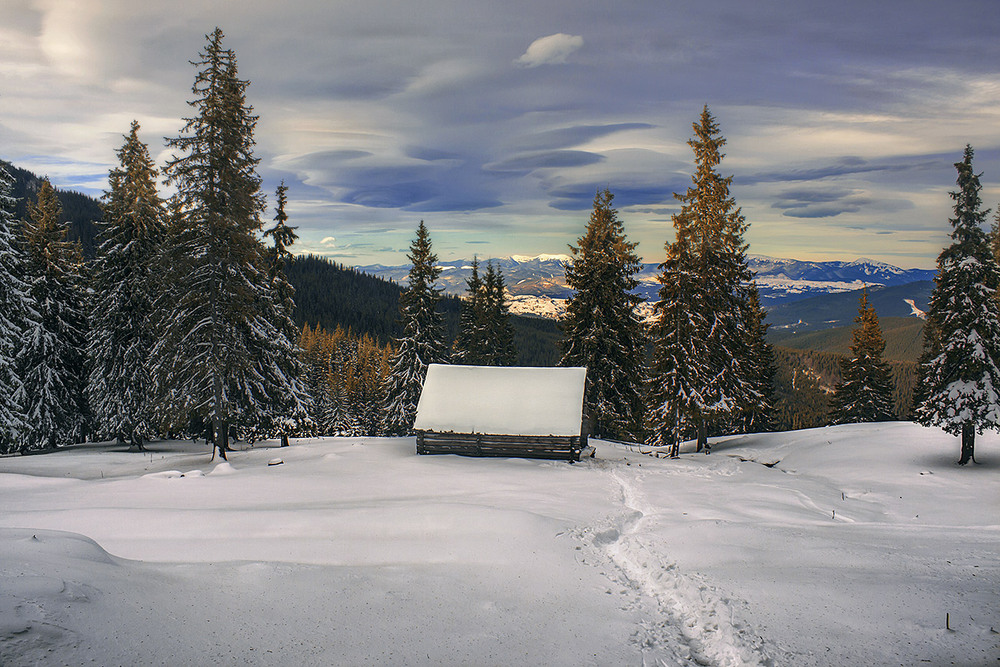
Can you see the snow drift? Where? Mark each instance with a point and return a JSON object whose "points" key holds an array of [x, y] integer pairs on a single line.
{"points": [[842, 545]]}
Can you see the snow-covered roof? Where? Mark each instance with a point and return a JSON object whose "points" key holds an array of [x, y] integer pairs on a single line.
{"points": [[502, 400]]}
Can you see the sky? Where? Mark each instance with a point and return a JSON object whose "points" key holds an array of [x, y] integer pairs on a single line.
{"points": [[497, 122]]}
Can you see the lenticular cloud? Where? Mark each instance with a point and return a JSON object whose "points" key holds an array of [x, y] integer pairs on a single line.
{"points": [[550, 50]]}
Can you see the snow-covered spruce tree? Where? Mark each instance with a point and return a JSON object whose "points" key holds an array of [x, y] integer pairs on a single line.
{"points": [[290, 415], [715, 289], [865, 391], [16, 313], [960, 366], [281, 234], [471, 346], [757, 416], [601, 330], [340, 417], [223, 354], [485, 334], [995, 237], [498, 332], [423, 340], [121, 338], [679, 369], [52, 360]]}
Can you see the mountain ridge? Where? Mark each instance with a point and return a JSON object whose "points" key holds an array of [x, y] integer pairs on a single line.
{"points": [[779, 280]]}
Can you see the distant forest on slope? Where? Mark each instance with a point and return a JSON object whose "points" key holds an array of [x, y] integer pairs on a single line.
{"points": [[805, 380], [81, 211], [332, 295], [904, 339]]}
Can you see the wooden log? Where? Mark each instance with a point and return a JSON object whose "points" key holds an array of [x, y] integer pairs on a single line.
{"points": [[485, 444]]}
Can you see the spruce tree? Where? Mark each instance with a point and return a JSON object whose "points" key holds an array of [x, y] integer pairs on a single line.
{"points": [[316, 377], [288, 414], [422, 342], [282, 235], [679, 367], [601, 330], [340, 418], [497, 330], [715, 293], [16, 313], [485, 333], [375, 376], [223, 355], [52, 361], [865, 393], [960, 366], [121, 336], [471, 345], [757, 414], [995, 237]]}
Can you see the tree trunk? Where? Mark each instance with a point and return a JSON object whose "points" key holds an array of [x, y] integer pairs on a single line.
{"points": [[703, 435], [221, 441], [135, 443], [968, 443], [284, 439], [224, 441]]}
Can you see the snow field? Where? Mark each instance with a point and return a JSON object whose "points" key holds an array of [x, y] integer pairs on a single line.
{"points": [[849, 549]]}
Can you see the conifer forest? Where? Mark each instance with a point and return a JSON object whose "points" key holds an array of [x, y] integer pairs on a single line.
{"points": [[144, 315]]}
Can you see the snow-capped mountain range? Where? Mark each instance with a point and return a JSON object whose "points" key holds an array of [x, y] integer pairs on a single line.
{"points": [[784, 280], [537, 284]]}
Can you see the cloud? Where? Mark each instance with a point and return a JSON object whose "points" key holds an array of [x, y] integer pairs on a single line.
{"points": [[430, 154], [813, 195], [580, 196], [822, 202], [843, 167], [453, 202], [328, 240], [341, 155], [371, 116], [551, 50], [566, 137], [546, 160]]}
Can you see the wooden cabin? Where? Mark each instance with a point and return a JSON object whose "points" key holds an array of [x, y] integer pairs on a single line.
{"points": [[503, 411]]}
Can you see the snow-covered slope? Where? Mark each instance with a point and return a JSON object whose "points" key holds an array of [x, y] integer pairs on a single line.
{"points": [[839, 546]]}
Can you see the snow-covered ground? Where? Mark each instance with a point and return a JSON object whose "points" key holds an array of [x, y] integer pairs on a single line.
{"points": [[838, 546]]}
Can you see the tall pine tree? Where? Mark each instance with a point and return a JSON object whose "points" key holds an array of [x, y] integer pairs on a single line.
{"points": [[960, 366], [679, 365], [16, 313], [121, 336], [713, 319], [52, 362], [601, 330], [865, 391], [222, 354], [423, 340]]}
